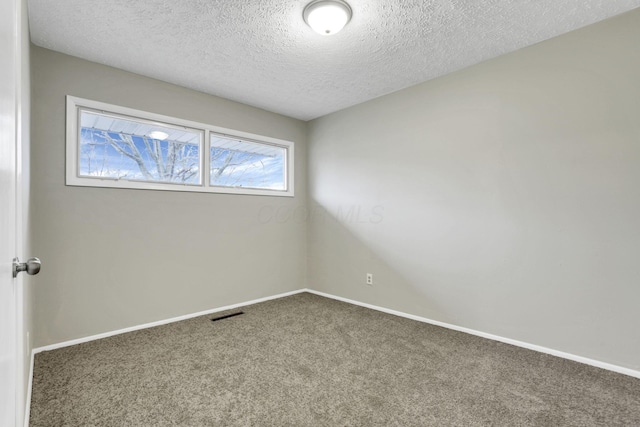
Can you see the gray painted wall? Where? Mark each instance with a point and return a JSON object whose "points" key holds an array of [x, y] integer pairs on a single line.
{"points": [[115, 258], [503, 198]]}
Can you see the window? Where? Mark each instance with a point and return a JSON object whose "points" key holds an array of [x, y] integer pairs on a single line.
{"points": [[111, 146], [241, 163]]}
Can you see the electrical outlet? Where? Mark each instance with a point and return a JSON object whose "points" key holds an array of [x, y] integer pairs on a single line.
{"points": [[369, 279]]}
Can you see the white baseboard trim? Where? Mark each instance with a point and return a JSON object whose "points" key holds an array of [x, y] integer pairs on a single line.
{"points": [[564, 355], [27, 409], [534, 347], [131, 329], [160, 322]]}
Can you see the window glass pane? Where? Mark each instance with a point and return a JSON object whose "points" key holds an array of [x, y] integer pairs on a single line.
{"points": [[238, 163], [113, 147]]}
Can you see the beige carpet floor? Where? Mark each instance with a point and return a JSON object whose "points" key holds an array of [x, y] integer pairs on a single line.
{"points": [[306, 360]]}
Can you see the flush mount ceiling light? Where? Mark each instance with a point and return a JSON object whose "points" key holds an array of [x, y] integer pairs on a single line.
{"points": [[156, 134], [327, 17]]}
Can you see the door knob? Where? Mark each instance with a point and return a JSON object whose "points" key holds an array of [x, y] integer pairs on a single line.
{"points": [[32, 266]]}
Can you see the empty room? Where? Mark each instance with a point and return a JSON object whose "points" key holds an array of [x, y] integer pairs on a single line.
{"points": [[320, 213]]}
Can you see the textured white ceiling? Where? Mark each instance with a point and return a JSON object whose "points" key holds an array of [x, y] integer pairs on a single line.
{"points": [[260, 52]]}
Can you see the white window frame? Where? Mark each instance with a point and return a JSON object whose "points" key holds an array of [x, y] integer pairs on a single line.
{"points": [[75, 105]]}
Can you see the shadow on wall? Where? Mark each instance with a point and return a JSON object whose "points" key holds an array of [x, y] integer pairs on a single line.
{"points": [[510, 195], [338, 233]]}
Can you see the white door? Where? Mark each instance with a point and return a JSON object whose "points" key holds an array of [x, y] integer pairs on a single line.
{"points": [[8, 285]]}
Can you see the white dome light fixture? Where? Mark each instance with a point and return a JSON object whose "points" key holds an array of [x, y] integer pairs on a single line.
{"points": [[327, 17]]}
